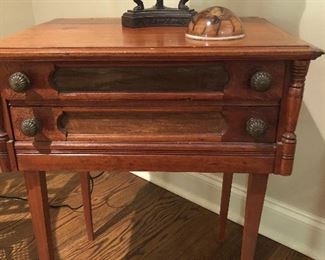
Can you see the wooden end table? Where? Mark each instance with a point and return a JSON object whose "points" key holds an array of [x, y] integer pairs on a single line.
{"points": [[87, 94]]}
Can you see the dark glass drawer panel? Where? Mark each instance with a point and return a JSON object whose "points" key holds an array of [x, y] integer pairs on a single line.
{"points": [[139, 79]]}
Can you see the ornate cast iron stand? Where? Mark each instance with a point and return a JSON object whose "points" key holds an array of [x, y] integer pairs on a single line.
{"points": [[158, 15]]}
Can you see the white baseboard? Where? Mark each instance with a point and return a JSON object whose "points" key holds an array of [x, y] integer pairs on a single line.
{"points": [[283, 223]]}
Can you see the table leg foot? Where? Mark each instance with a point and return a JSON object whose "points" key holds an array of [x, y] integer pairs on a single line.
{"points": [[254, 204], [39, 208], [224, 205], [86, 199]]}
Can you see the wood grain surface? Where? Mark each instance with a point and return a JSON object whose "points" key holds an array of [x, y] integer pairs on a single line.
{"points": [[133, 219], [103, 38], [144, 124], [142, 79], [137, 220], [48, 83]]}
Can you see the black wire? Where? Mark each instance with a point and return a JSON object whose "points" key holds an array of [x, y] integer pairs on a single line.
{"points": [[92, 185], [97, 176]]}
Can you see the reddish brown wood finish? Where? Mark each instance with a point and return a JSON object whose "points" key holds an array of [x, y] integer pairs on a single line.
{"points": [[224, 205], [151, 162], [144, 123], [287, 144], [237, 88], [86, 200], [254, 205], [214, 141], [83, 39], [39, 208], [4, 158], [139, 78], [12, 156]]}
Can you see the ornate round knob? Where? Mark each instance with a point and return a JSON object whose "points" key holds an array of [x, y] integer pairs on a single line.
{"points": [[256, 127], [19, 82], [261, 81], [30, 127]]}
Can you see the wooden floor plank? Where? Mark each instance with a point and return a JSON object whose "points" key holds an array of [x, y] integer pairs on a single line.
{"points": [[133, 219]]}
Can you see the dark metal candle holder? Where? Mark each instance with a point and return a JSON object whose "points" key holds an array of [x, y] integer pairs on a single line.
{"points": [[158, 15]]}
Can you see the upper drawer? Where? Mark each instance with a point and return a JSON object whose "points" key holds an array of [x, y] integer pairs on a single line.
{"points": [[237, 80]]}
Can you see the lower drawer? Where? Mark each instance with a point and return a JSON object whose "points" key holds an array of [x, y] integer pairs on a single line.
{"points": [[141, 124]]}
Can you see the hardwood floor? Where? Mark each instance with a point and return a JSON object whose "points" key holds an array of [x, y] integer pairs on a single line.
{"points": [[133, 220]]}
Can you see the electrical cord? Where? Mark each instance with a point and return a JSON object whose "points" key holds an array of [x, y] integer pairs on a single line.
{"points": [[92, 184]]}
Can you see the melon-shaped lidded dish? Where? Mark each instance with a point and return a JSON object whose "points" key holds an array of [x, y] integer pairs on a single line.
{"points": [[215, 23]]}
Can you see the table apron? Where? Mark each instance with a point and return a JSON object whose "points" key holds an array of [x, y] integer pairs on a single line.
{"points": [[139, 162]]}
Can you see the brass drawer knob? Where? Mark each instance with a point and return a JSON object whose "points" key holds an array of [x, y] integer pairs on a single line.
{"points": [[261, 81], [256, 127], [19, 82], [30, 127]]}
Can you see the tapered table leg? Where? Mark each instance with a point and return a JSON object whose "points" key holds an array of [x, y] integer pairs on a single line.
{"points": [[224, 205], [254, 204], [39, 208], [86, 199]]}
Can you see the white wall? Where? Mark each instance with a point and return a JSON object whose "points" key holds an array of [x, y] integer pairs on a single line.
{"points": [[15, 15], [305, 190], [306, 19]]}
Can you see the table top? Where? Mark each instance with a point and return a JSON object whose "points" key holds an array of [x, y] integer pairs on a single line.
{"points": [[64, 38]]}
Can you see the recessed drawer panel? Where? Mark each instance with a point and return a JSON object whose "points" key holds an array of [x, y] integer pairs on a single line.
{"points": [[140, 124], [228, 80], [141, 79]]}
